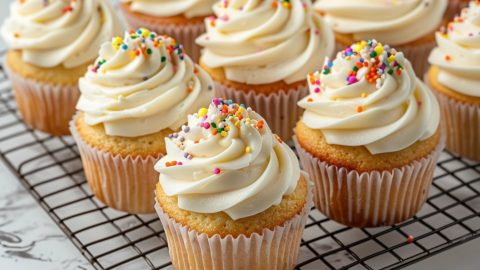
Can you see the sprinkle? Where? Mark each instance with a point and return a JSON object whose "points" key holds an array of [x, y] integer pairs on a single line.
{"points": [[248, 149], [410, 239], [359, 109], [364, 95], [67, 9], [448, 58], [202, 112], [16, 34], [217, 171]]}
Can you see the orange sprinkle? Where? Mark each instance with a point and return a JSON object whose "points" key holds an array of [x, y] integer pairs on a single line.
{"points": [[260, 124], [448, 58], [359, 109], [309, 99], [274, 4], [16, 35], [410, 239], [189, 90]]}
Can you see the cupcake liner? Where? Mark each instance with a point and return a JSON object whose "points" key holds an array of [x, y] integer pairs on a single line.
{"points": [[272, 249], [462, 123], [279, 109], [370, 199], [44, 106], [124, 183], [184, 34], [417, 54]]}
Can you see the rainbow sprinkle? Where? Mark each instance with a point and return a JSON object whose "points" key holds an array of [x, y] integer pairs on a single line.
{"points": [[218, 124], [379, 60], [141, 47]]}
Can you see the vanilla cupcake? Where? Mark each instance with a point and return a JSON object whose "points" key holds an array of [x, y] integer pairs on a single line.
{"points": [[454, 8], [181, 19], [258, 53], [51, 43], [455, 77], [140, 89], [369, 137], [231, 194], [408, 25]]}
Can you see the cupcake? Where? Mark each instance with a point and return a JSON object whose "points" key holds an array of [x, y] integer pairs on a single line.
{"points": [[369, 137], [455, 78], [408, 25], [231, 194], [454, 8], [139, 90], [51, 44], [263, 62], [181, 19]]}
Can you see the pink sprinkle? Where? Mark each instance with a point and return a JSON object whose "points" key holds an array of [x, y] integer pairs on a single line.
{"points": [[317, 82], [216, 171], [316, 90], [206, 125], [179, 163], [202, 124], [352, 80]]}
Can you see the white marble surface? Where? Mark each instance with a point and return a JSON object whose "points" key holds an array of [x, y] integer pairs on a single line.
{"points": [[28, 237]]}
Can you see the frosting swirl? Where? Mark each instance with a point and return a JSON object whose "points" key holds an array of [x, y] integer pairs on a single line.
{"points": [[142, 84], [260, 42], [369, 96], [392, 22], [227, 159], [59, 32], [166, 8], [458, 52]]}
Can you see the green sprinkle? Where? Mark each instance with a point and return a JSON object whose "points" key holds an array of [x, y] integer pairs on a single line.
{"points": [[213, 125], [390, 71], [149, 51], [164, 59]]}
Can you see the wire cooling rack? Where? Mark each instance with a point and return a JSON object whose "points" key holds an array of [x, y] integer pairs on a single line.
{"points": [[51, 170]]}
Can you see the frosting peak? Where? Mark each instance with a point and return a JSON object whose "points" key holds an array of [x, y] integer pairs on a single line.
{"points": [[458, 52], [142, 84], [59, 32], [393, 22], [369, 96], [260, 42], [227, 159], [166, 8]]}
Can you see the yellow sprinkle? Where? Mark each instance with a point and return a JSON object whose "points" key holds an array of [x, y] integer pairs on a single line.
{"points": [[379, 49], [248, 149], [145, 32], [237, 123], [202, 112], [364, 95], [391, 58], [223, 133], [227, 128]]}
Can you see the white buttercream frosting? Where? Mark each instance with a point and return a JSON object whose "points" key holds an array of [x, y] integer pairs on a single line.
{"points": [[226, 159], [59, 32], [167, 8], [142, 84], [260, 42], [393, 22], [369, 96], [458, 52]]}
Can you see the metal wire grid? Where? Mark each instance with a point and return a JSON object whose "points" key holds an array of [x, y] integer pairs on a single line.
{"points": [[51, 170]]}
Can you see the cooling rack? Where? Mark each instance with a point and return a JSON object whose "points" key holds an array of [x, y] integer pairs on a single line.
{"points": [[51, 170]]}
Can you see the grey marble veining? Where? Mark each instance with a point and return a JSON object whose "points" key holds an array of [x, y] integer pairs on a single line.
{"points": [[28, 237]]}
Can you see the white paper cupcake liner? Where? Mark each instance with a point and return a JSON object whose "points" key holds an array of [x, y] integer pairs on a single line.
{"points": [[462, 122], [417, 54], [370, 199], [184, 34], [272, 249], [279, 109], [124, 183], [43, 106]]}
